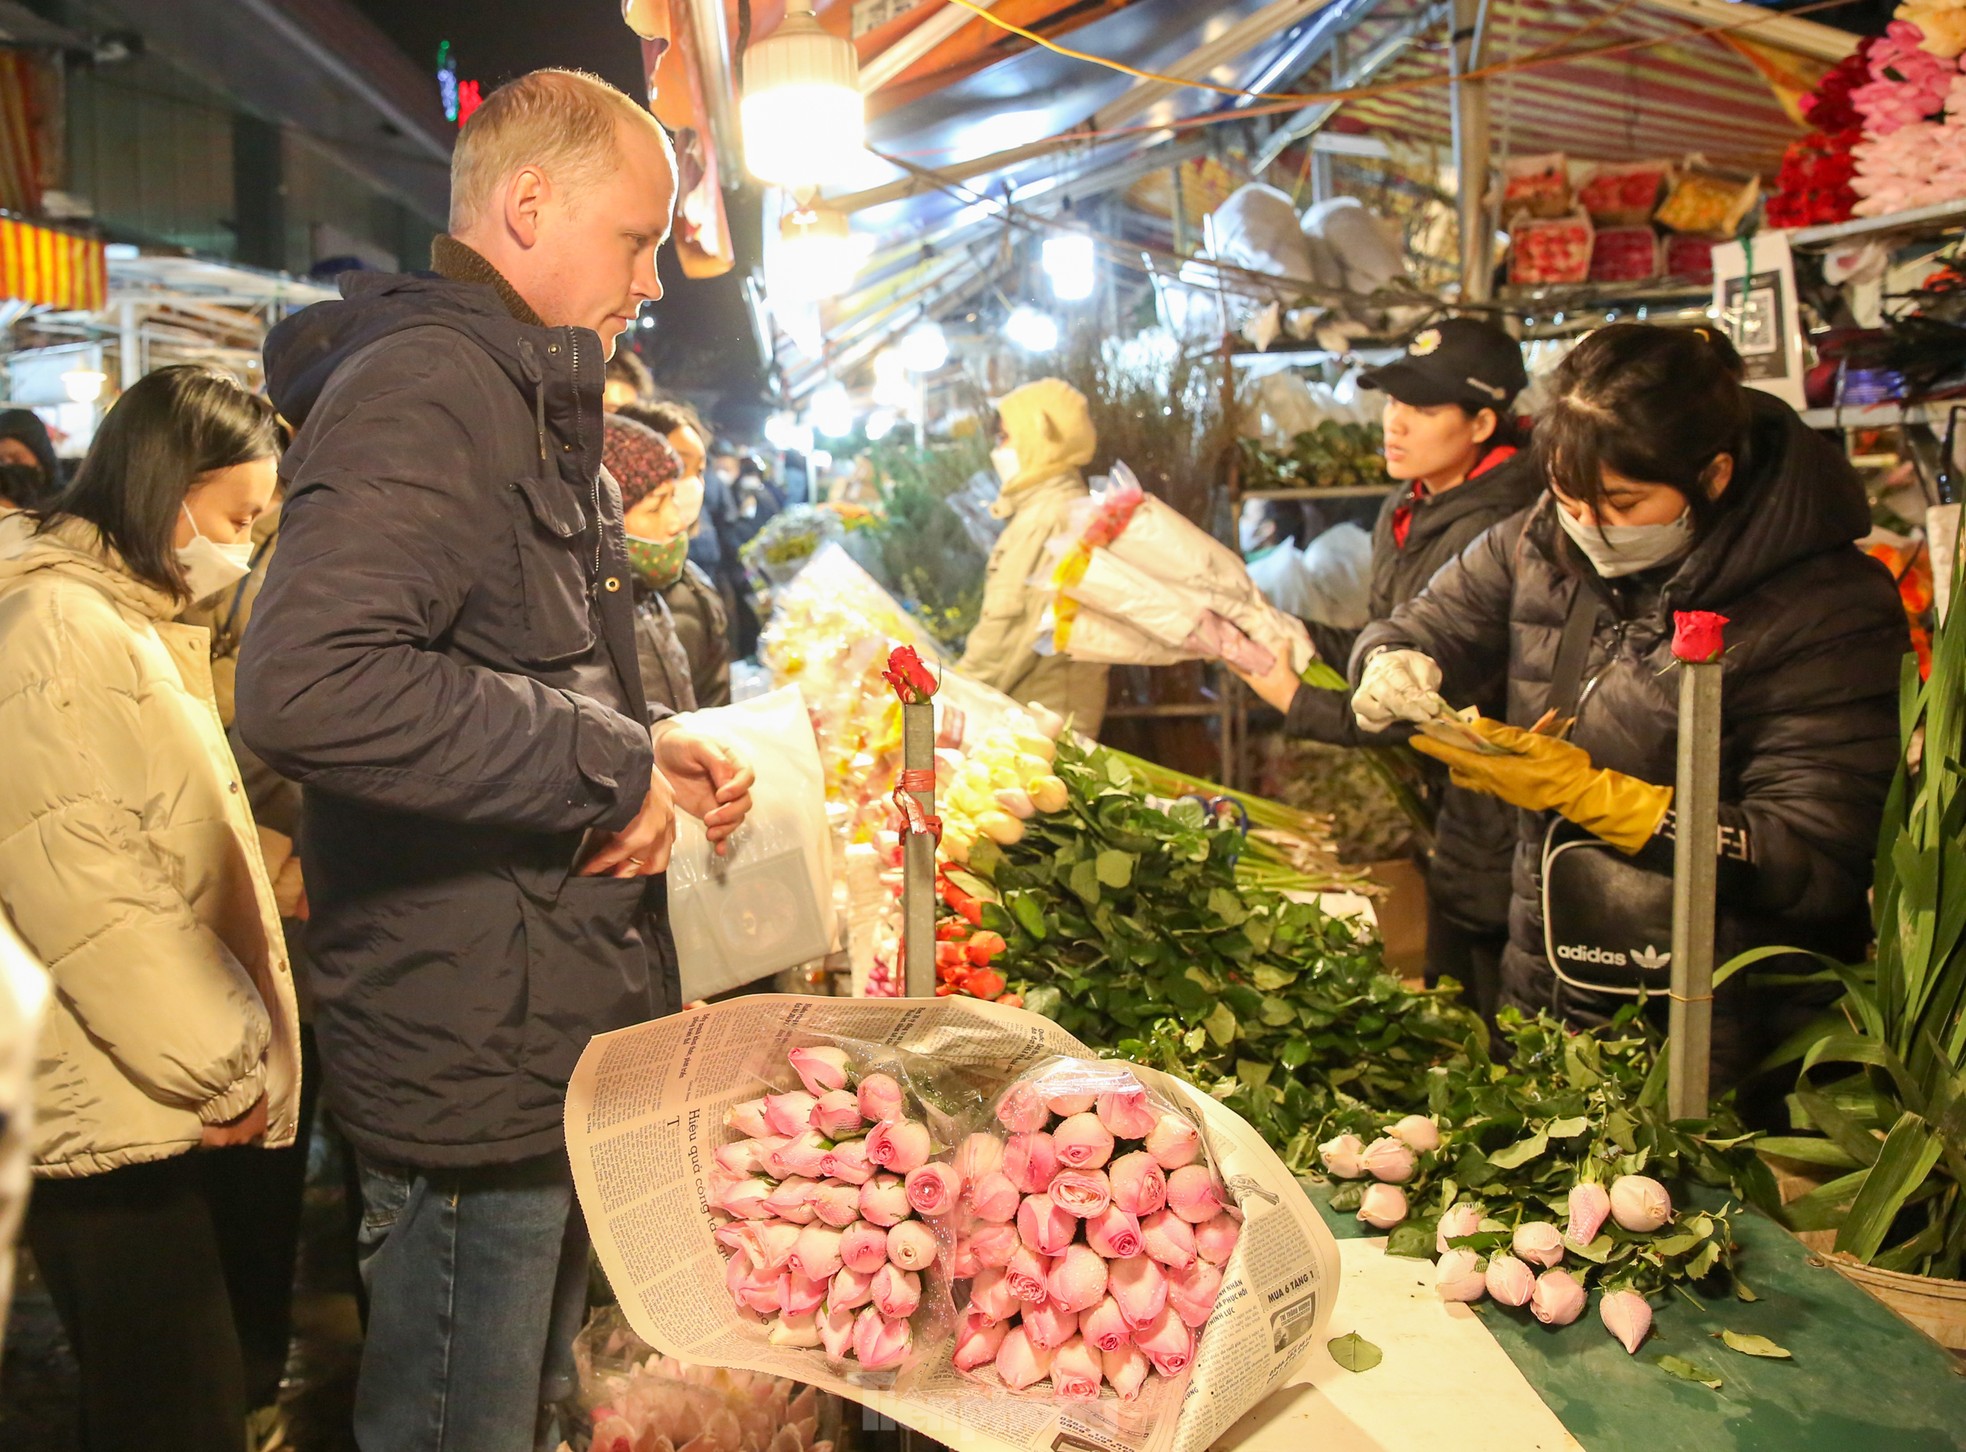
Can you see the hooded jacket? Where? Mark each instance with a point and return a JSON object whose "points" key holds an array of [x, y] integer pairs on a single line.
{"points": [[443, 656], [129, 863], [1809, 737], [1050, 427]]}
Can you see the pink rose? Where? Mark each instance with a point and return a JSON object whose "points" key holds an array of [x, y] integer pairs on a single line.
{"points": [[1139, 1185], [794, 1330], [1113, 1233], [1558, 1298], [1127, 1114], [1030, 1160], [789, 1113], [1173, 1142], [1168, 1239], [877, 1344], [1168, 1342], [1050, 1325], [763, 1292], [730, 1235], [738, 1270], [1021, 1110], [898, 1144], [804, 1154], [1078, 1278], [1105, 1326], [837, 1114], [880, 1098], [746, 1199], [836, 1332], [1538, 1242], [933, 1189], [748, 1156], [851, 1289], [896, 1292], [911, 1245], [771, 1242], [1626, 1316], [1418, 1132], [1215, 1240], [979, 1155], [1026, 1272], [1457, 1222], [1082, 1142], [792, 1200], [748, 1119], [990, 1294], [817, 1253], [1139, 1286], [1045, 1226], [992, 1197], [1343, 1157], [1075, 1372], [1193, 1194], [994, 1245], [1382, 1206], [1066, 1105], [1019, 1363], [800, 1295], [1389, 1159], [884, 1200], [836, 1204], [847, 1162], [863, 1247], [1083, 1193], [1192, 1292], [977, 1341], [963, 1263], [1458, 1276], [820, 1068], [1126, 1370], [1589, 1205], [1509, 1280]]}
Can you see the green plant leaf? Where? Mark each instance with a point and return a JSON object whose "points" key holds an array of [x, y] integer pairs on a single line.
{"points": [[1083, 879], [1756, 1346], [1221, 1025], [1029, 914], [1353, 1352], [1116, 868], [1521, 1152], [1567, 1128], [1909, 1152], [1687, 1371], [1743, 1291], [1415, 1241]]}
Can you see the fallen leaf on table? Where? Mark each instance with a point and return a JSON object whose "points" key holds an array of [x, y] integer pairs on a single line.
{"points": [[1687, 1371], [1353, 1352], [1755, 1346]]}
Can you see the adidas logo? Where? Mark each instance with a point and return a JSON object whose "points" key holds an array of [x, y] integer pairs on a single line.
{"points": [[1590, 955], [1651, 959]]}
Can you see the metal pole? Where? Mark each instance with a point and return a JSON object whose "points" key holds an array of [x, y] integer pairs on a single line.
{"points": [[1696, 846], [918, 859], [1471, 146]]}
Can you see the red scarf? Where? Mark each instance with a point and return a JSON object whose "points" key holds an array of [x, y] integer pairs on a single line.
{"points": [[1417, 492]]}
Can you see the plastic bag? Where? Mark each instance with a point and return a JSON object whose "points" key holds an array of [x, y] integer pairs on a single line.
{"points": [[1256, 229], [1366, 250]]}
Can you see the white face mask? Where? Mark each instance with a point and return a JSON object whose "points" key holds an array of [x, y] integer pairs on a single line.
{"points": [[1616, 550], [689, 501], [209, 566], [1004, 461]]}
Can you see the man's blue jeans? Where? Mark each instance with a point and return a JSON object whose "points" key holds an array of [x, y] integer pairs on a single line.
{"points": [[477, 1280]]}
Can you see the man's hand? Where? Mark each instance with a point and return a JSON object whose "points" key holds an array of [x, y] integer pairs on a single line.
{"points": [[1278, 686], [640, 849], [711, 781], [246, 1129]]}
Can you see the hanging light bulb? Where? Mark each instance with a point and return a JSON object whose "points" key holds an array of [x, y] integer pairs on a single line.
{"points": [[924, 347], [1072, 263], [817, 256], [804, 121], [880, 423], [84, 385], [893, 388], [832, 410], [784, 432], [1031, 330]]}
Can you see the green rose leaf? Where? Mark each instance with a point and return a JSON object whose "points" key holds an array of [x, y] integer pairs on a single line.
{"points": [[1687, 1371], [1116, 868], [1221, 1025], [1521, 1152], [1756, 1346], [1353, 1352]]}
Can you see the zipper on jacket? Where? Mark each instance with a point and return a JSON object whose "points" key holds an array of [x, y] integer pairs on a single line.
{"points": [[580, 448], [536, 376]]}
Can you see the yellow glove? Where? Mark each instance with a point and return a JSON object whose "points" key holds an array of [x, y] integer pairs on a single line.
{"points": [[1543, 774]]}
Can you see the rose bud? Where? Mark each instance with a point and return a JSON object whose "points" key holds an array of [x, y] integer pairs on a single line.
{"points": [[717, 1183], [1066, 1105], [1082, 1142], [978, 1341], [884, 1201], [1050, 1325], [1139, 1286], [804, 1154], [800, 1295], [1215, 1240], [1021, 1110], [979, 1155], [820, 1068], [789, 1113], [863, 1247], [1083, 1193], [990, 1293], [1114, 1234], [1418, 1132], [1105, 1326], [992, 1198], [1458, 1276], [1626, 1315], [801, 1330], [1462, 1218], [1017, 803], [772, 1242], [749, 1156], [1078, 1278], [764, 1292], [737, 1270], [1538, 1242], [1193, 1194], [1343, 1157], [1173, 1142], [1139, 1185], [933, 1189], [746, 1199], [1168, 1342], [1049, 794], [1075, 1372], [1030, 1160], [896, 1292], [880, 1098], [792, 1200], [1026, 1273], [836, 1332], [748, 1119], [1590, 1204], [1045, 1226], [878, 1344], [851, 1289], [836, 1204], [1640, 1203], [898, 1145], [1383, 1206], [847, 1162], [1048, 722], [1127, 1113], [1191, 1293], [1390, 1160], [963, 1264], [1558, 1299], [1509, 1280], [911, 1245], [837, 1114], [994, 1245], [1168, 1239], [1019, 1363], [817, 1253], [1126, 1370], [731, 1235]]}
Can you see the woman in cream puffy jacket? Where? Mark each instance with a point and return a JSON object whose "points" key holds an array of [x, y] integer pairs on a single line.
{"points": [[130, 866]]}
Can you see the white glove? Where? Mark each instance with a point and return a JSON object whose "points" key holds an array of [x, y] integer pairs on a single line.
{"points": [[1398, 685]]}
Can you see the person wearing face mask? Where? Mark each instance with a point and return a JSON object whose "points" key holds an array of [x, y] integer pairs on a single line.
{"points": [[32, 472], [1670, 487], [1456, 455], [708, 624], [1044, 439], [130, 865]]}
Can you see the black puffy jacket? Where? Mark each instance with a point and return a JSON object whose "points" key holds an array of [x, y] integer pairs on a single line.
{"points": [[444, 657], [1810, 701], [1474, 835]]}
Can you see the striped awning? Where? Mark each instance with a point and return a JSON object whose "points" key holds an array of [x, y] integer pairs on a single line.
{"points": [[43, 267]]}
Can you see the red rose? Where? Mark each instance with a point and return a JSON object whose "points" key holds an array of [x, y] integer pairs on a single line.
{"points": [[909, 677], [1696, 635]]}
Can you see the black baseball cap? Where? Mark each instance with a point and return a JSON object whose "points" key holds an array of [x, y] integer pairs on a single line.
{"points": [[1457, 360]]}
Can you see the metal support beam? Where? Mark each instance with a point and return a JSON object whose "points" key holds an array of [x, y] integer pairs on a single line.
{"points": [[1314, 117], [1471, 146], [1232, 44], [1803, 36], [889, 64]]}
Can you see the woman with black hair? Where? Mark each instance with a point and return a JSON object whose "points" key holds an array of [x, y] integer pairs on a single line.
{"points": [[30, 472], [1670, 487], [130, 865]]}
